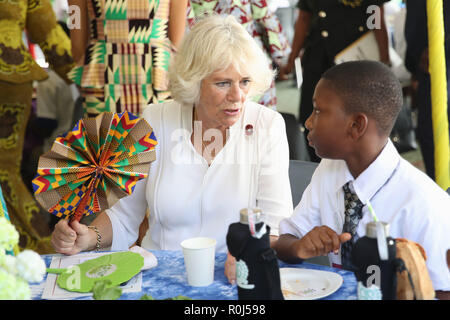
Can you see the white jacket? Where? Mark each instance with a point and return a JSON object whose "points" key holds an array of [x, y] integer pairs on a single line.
{"points": [[186, 198]]}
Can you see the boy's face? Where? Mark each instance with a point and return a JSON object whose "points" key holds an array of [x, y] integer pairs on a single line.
{"points": [[328, 123]]}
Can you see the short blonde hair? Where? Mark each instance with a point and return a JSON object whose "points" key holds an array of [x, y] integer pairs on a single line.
{"points": [[215, 43]]}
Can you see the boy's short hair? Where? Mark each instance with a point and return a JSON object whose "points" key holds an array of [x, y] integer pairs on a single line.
{"points": [[368, 87]]}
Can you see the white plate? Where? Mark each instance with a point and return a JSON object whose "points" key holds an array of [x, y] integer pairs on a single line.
{"points": [[308, 284]]}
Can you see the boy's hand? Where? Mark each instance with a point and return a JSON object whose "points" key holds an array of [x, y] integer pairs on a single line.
{"points": [[320, 241]]}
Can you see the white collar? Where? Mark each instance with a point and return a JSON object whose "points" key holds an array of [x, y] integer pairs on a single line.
{"points": [[374, 176]]}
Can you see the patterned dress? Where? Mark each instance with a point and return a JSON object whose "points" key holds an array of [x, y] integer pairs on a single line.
{"points": [[4, 214], [18, 70], [36, 16], [260, 22], [126, 60]]}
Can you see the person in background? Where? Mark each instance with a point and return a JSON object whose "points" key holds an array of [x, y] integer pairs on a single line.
{"points": [[217, 153], [260, 22], [17, 72], [56, 112], [416, 61], [55, 107], [322, 30], [123, 51], [355, 107]]}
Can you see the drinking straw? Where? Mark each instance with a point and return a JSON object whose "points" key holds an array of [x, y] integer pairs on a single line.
{"points": [[372, 212]]}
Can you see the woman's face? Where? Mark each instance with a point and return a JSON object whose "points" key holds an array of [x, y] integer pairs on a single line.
{"points": [[222, 97]]}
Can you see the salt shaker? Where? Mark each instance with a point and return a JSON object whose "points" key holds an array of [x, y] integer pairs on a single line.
{"points": [[257, 271]]}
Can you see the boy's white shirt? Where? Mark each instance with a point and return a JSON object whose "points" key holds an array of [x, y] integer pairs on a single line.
{"points": [[415, 207]]}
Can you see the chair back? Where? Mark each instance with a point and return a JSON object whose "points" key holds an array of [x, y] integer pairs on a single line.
{"points": [[300, 173], [296, 140]]}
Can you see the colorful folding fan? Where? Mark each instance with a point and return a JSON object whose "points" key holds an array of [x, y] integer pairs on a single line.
{"points": [[91, 167]]}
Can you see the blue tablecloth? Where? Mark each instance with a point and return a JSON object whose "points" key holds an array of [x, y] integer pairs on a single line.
{"points": [[168, 279]]}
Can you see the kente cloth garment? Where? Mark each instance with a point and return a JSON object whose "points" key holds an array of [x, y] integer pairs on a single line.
{"points": [[126, 61], [17, 72], [353, 214], [262, 24]]}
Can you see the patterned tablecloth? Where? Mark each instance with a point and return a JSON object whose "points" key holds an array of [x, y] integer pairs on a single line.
{"points": [[168, 279]]}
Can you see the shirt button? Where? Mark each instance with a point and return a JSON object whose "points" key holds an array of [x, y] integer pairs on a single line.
{"points": [[361, 28], [324, 33], [322, 14]]}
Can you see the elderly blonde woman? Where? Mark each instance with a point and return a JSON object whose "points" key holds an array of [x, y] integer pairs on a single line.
{"points": [[217, 152]]}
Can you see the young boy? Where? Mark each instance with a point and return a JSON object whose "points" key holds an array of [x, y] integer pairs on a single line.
{"points": [[355, 107]]}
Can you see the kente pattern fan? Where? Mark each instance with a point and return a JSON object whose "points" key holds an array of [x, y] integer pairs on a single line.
{"points": [[91, 167]]}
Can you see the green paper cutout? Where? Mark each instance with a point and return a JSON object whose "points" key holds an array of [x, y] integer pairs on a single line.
{"points": [[56, 270], [103, 291], [116, 268]]}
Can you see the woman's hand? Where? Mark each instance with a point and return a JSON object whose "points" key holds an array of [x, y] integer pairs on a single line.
{"points": [[230, 268], [71, 238]]}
